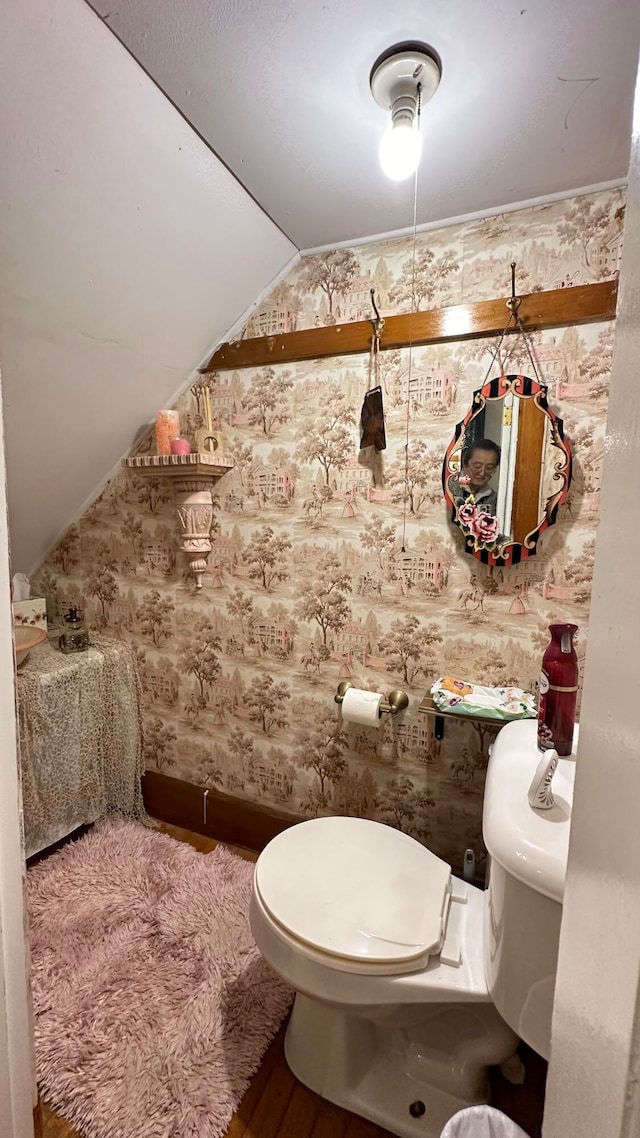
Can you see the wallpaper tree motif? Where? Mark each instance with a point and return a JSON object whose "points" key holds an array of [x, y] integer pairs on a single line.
{"points": [[315, 575]]}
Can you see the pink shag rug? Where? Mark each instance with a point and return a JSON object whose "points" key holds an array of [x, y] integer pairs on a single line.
{"points": [[153, 1006]]}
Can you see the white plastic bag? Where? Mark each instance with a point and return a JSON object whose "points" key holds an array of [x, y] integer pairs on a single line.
{"points": [[20, 587], [481, 1122]]}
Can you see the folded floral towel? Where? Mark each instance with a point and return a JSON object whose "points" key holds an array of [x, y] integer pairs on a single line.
{"points": [[466, 698]]}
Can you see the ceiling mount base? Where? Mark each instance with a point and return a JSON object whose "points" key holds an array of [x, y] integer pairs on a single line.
{"points": [[399, 71]]}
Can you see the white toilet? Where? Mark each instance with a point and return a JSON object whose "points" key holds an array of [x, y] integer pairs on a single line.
{"points": [[409, 981]]}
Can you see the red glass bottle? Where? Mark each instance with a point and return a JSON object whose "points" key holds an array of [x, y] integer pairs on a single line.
{"points": [[558, 691]]}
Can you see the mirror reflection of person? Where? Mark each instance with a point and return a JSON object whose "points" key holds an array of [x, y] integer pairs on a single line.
{"points": [[479, 463]]}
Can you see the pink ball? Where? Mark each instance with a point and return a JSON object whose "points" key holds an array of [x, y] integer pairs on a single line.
{"points": [[180, 446]]}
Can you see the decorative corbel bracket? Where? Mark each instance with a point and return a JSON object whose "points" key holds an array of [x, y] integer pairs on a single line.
{"points": [[193, 477]]}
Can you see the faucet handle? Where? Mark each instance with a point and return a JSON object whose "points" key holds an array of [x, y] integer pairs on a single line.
{"points": [[540, 794]]}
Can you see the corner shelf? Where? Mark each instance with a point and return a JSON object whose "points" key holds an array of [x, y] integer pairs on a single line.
{"points": [[193, 477]]}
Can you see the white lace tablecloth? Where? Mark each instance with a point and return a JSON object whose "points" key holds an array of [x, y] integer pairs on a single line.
{"points": [[80, 737]]}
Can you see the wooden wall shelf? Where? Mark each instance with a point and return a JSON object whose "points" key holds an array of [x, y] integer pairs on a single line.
{"points": [[556, 308]]}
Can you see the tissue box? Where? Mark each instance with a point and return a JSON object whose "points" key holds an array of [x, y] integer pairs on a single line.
{"points": [[32, 613]]}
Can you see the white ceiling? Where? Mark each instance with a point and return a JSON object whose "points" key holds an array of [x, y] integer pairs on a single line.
{"points": [[535, 99]]}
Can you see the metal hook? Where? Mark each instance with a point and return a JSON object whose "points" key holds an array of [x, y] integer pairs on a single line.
{"points": [[515, 301], [378, 323]]}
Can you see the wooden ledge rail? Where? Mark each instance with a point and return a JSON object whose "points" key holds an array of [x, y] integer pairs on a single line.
{"points": [[580, 304]]}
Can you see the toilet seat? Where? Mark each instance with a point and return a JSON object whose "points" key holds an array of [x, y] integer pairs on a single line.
{"points": [[358, 894]]}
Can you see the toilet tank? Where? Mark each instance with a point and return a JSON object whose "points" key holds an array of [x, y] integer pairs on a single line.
{"points": [[527, 869]]}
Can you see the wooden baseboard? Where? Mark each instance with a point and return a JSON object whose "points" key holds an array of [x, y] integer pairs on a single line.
{"points": [[227, 818], [235, 821]]}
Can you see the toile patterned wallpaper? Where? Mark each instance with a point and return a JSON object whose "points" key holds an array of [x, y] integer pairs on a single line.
{"points": [[308, 582]]}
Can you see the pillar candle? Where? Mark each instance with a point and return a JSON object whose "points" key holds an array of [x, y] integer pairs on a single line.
{"points": [[167, 428], [207, 409]]}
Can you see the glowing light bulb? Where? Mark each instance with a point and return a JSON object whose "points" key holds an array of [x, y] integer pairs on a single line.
{"points": [[400, 150]]}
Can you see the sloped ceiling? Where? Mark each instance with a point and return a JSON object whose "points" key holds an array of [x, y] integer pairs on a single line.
{"points": [[126, 251], [535, 99]]}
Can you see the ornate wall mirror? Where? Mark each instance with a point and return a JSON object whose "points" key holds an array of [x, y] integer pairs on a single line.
{"points": [[507, 470]]}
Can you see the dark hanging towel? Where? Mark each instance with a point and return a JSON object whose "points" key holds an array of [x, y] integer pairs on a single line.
{"points": [[372, 421], [372, 435]]}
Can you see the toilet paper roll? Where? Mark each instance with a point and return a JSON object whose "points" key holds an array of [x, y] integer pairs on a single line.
{"points": [[362, 707]]}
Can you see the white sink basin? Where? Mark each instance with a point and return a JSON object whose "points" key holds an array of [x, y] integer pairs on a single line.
{"points": [[26, 638]]}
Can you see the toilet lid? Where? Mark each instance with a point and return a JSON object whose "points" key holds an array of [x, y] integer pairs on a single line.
{"points": [[355, 889]]}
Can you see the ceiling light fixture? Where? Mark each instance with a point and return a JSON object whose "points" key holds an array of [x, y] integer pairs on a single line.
{"points": [[402, 79]]}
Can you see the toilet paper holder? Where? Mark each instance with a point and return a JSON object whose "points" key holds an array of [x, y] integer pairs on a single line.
{"points": [[397, 700]]}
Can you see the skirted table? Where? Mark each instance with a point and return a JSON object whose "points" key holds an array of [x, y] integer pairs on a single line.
{"points": [[80, 737]]}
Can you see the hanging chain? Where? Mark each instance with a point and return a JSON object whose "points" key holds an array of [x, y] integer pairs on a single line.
{"points": [[499, 345], [525, 337], [374, 354], [513, 304]]}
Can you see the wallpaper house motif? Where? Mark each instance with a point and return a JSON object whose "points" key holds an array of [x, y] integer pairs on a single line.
{"points": [[315, 576]]}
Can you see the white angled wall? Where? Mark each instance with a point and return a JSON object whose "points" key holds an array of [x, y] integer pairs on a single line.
{"points": [[127, 250]]}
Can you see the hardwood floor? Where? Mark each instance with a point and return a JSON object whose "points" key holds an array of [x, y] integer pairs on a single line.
{"points": [[276, 1105]]}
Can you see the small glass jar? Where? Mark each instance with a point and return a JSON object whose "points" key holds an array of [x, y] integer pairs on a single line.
{"points": [[76, 637]]}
